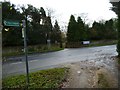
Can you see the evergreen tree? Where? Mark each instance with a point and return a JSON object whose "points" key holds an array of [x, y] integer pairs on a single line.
{"points": [[56, 33], [116, 9], [80, 33], [13, 35], [110, 30], [48, 27], [98, 29], [71, 30], [39, 26], [94, 32], [43, 15], [34, 34], [37, 33], [102, 31]]}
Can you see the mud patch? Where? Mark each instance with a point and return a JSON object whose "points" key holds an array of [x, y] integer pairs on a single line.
{"points": [[92, 74], [105, 79]]}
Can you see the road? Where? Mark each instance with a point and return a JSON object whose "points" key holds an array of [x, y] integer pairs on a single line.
{"points": [[55, 59]]}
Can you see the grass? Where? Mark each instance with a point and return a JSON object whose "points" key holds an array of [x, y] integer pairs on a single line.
{"points": [[51, 78], [92, 43], [103, 43], [118, 60], [16, 51], [102, 81]]}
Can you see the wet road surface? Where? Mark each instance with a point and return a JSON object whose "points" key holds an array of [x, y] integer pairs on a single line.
{"points": [[55, 59]]}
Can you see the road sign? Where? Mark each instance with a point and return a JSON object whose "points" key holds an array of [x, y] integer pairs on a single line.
{"points": [[12, 23]]}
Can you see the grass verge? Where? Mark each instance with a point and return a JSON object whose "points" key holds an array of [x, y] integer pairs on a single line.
{"points": [[103, 43], [102, 81], [16, 51], [92, 43], [118, 59], [51, 78]]}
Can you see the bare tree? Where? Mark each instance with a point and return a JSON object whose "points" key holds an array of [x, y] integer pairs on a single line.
{"points": [[84, 16], [50, 12]]}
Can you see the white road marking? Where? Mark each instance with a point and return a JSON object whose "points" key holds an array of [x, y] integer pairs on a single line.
{"points": [[33, 61], [65, 49], [22, 62], [17, 63]]}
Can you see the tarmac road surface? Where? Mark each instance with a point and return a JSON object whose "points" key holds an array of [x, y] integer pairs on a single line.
{"points": [[55, 59]]}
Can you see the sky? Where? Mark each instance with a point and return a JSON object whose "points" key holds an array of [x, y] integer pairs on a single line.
{"points": [[90, 10]]}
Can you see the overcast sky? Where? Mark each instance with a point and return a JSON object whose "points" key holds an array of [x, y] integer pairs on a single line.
{"points": [[95, 9]]}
